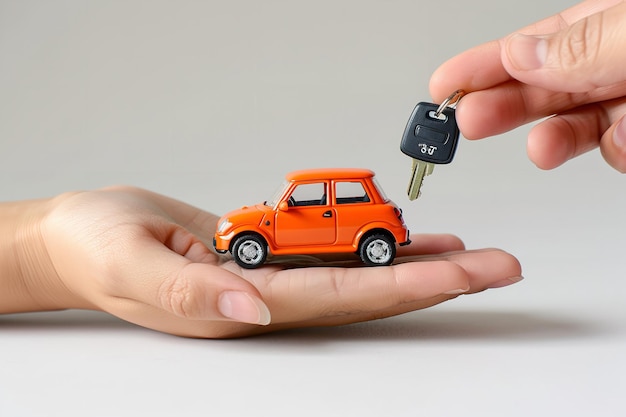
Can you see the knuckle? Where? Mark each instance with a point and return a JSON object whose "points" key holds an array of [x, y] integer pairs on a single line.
{"points": [[337, 281], [581, 42], [177, 295], [340, 299]]}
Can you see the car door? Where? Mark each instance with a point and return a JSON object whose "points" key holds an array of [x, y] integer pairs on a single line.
{"points": [[354, 209], [308, 218]]}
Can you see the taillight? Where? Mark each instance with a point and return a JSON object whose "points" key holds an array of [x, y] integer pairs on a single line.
{"points": [[398, 213]]}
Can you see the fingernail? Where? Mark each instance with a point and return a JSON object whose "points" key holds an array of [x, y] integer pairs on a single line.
{"points": [[619, 134], [526, 52], [506, 282], [457, 291], [243, 307]]}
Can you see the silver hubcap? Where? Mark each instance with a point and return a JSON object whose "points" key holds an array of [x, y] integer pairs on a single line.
{"points": [[378, 251], [250, 252]]}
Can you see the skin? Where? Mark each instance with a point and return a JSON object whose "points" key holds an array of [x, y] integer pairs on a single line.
{"points": [[146, 258], [568, 68]]}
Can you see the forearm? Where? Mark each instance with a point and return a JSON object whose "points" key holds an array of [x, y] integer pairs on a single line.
{"points": [[28, 281]]}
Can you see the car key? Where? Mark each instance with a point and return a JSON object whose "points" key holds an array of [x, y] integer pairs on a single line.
{"points": [[419, 170], [430, 137]]}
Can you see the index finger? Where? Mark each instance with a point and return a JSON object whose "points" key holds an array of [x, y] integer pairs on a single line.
{"points": [[324, 295]]}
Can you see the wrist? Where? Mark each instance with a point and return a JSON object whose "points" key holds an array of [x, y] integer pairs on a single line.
{"points": [[28, 280]]}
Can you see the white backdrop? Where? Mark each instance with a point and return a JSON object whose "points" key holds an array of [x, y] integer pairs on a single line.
{"points": [[212, 102]]}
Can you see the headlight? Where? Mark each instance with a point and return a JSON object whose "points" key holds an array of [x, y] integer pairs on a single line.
{"points": [[224, 224]]}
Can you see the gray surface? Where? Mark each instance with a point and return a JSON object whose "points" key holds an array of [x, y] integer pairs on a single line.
{"points": [[212, 102]]}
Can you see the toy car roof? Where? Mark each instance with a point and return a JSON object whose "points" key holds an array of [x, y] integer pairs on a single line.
{"points": [[329, 173]]}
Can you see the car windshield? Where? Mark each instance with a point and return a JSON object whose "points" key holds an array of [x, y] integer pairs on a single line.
{"points": [[380, 190], [277, 194]]}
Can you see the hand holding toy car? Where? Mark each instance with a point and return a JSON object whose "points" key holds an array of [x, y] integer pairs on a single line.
{"points": [[145, 258]]}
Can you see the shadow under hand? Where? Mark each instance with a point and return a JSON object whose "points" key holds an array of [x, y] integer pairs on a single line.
{"points": [[452, 326], [65, 319], [420, 326]]}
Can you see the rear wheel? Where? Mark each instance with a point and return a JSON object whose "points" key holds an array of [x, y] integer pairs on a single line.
{"points": [[377, 249], [249, 251]]}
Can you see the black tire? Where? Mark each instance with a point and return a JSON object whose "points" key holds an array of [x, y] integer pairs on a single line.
{"points": [[377, 249], [249, 251]]}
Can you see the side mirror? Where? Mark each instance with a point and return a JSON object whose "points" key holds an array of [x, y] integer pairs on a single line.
{"points": [[283, 206]]}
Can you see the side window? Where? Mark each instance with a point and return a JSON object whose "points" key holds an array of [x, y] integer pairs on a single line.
{"points": [[313, 194], [350, 192]]}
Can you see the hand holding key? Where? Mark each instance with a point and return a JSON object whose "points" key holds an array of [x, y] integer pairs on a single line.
{"points": [[430, 137], [558, 71]]}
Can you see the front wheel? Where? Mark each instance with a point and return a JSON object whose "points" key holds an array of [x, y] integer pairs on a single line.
{"points": [[377, 249], [249, 251]]}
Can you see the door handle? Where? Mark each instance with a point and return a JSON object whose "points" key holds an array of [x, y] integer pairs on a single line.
{"points": [[327, 213]]}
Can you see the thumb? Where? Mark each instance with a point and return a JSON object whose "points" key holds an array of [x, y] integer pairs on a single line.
{"points": [[583, 56], [207, 292], [162, 279]]}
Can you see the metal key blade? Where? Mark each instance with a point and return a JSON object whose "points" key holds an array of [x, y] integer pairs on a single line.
{"points": [[418, 172]]}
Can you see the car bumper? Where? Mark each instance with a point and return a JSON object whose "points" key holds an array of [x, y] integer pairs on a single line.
{"points": [[407, 241], [220, 244]]}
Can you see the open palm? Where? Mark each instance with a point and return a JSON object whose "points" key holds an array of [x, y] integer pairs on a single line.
{"points": [[146, 258]]}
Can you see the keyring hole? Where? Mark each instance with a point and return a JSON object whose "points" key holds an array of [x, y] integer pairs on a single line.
{"points": [[433, 115]]}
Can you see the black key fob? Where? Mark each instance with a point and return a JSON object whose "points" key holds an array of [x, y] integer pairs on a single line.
{"points": [[429, 137]]}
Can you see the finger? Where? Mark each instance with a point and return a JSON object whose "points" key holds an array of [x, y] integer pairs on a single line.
{"points": [[563, 137], [507, 106], [320, 293], [476, 69], [299, 298], [425, 244], [312, 293], [581, 57], [568, 135], [199, 222], [496, 110], [486, 268], [512, 104], [613, 145], [481, 67]]}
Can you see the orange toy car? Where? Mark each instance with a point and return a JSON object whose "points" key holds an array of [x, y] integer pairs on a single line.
{"points": [[316, 211]]}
